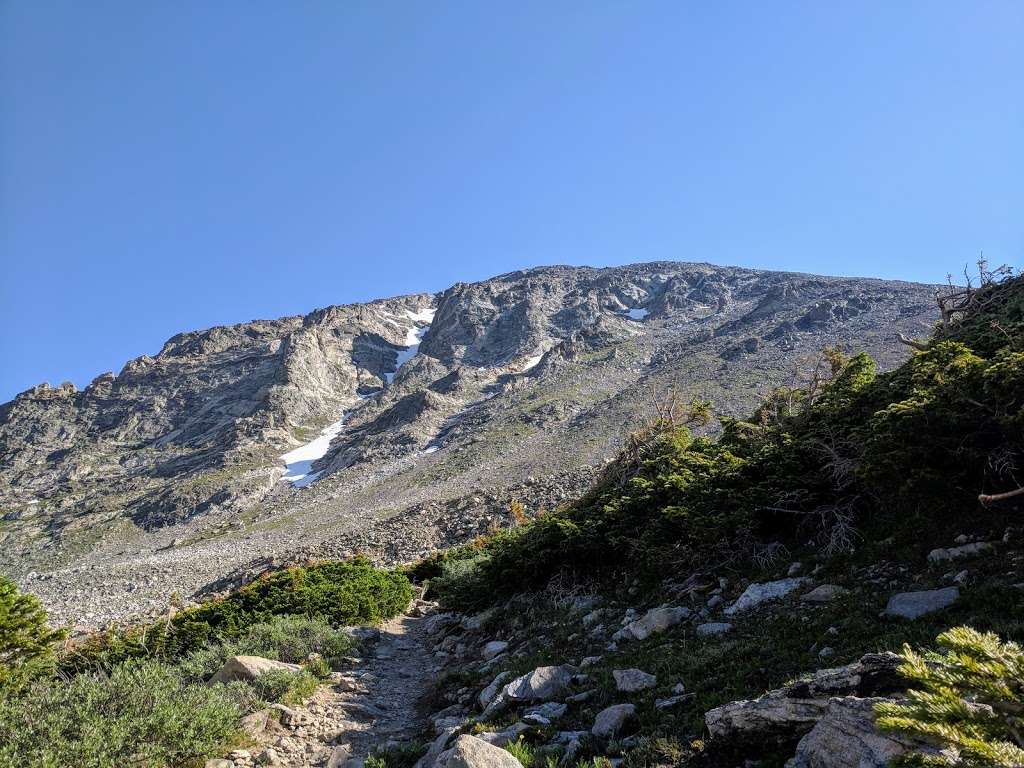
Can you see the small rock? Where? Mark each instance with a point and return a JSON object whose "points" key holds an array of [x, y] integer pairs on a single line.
{"points": [[713, 628], [957, 553], [824, 594]]}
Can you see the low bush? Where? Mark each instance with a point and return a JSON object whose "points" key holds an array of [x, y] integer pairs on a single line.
{"points": [[143, 714], [338, 593], [284, 638]]}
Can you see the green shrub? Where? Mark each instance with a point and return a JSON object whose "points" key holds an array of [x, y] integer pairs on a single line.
{"points": [[281, 685], [26, 642], [337, 593], [284, 638], [969, 696], [142, 714]]}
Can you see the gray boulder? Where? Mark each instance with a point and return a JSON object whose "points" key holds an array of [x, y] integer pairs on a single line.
{"points": [[493, 648], [249, 668], [757, 594], [487, 694], [471, 752], [653, 622], [912, 605], [846, 737], [544, 683], [633, 680], [610, 722]]}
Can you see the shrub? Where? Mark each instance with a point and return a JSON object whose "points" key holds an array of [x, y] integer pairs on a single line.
{"points": [[281, 685], [285, 638], [142, 714], [26, 642], [338, 593], [969, 696]]}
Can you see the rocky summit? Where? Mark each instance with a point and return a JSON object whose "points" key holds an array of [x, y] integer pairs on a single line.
{"points": [[394, 427]]}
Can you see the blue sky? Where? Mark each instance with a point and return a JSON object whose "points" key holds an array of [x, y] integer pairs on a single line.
{"points": [[166, 166]]}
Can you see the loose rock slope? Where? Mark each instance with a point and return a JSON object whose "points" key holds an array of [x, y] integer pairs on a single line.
{"points": [[166, 477]]}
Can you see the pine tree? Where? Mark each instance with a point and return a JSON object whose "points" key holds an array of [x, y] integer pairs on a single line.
{"points": [[26, 641], [968, 697]]}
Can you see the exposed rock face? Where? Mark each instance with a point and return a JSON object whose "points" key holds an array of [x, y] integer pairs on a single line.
{"points": [[166, 476], [846, 737], [796, 708], [829, 717]]}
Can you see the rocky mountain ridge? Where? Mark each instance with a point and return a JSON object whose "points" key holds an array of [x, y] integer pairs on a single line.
{"points": [[438, 410]]}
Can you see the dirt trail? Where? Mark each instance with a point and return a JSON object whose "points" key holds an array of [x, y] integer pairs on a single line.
{"points": [[371, 704]]}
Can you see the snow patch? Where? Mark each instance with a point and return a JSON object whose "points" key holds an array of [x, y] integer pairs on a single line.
{"points": [[299, 462], [636, 314], [532, 362], [413, 337]]}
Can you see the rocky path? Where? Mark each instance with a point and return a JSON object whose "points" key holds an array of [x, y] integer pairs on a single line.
{"points": [[368, 706]]}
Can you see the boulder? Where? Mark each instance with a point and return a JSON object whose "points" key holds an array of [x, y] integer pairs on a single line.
{"points": [[544, 683], [471, 752], [249, 668], [911, 605], [958, 553], [609, 722], [505, 736], [846, 737], [756, 594], [633, 680], [487, 694], [493, 648], [654, 621], [795, 709], [824, 593]]}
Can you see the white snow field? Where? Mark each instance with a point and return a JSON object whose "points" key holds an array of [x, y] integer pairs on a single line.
{"points": [[637, 314]]}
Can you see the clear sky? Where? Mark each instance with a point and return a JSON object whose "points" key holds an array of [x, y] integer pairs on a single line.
{"points": [[166, 165]]}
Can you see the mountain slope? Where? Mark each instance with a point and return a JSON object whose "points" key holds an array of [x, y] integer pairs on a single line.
{"points": [[167, 477]]}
